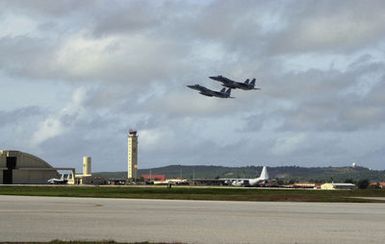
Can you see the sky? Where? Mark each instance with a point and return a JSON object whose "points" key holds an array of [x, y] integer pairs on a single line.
{"points": [[75, 76]]}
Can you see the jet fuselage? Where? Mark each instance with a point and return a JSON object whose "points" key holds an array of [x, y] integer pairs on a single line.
{"points": [[226, 82], [210, 93]]}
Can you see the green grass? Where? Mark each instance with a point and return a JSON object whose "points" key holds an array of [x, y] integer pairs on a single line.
{"points": [[195, 193]]}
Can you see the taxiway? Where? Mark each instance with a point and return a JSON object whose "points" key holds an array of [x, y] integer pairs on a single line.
{"points": [[47, 218]]}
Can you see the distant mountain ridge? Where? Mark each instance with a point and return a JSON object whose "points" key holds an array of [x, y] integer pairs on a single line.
{"points": [[286, 173]]}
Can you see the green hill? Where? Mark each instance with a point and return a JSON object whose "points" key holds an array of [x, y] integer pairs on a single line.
{"points": [[285, 173]]}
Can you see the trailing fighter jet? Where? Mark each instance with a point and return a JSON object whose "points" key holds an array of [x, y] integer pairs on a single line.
{"points": [[210, 93], [234, 84]]}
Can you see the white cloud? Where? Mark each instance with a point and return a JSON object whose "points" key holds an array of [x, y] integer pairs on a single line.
{"points": [[288, 144], [81, 57], [16, 25], [61, 122]]}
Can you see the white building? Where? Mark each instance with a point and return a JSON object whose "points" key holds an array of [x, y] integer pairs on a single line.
{"points": [[338, 186]]}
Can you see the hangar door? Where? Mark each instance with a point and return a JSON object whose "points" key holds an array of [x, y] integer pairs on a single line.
{"points": [[8, 173]]}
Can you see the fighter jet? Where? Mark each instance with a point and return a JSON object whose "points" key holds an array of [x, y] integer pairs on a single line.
{"points": [[63, 180], [234, 84], [210, 93]]}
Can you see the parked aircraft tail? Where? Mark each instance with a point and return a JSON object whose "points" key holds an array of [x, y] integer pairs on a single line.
{"points": [[247, 81], [264, 174], [223, 90]]}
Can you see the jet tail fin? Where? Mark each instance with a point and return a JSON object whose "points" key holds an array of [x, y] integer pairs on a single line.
{"points": [[228, 92], [223, 90], [247, 81], [264, 174], [252, 82]]}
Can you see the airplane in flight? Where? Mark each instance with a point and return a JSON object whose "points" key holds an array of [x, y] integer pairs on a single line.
{"points": [[246, 85], [249, 182], [210, 93]]}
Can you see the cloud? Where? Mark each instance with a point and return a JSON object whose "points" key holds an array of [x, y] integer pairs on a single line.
{"points": [[17, 125], [327, 26], [59, 123], [288, 144], [19, 114]]}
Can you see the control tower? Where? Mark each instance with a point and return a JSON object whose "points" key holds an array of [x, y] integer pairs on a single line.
{"points": [[132, 155]]}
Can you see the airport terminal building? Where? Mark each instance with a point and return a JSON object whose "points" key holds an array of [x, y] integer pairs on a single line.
{"points": [[22, 168]]}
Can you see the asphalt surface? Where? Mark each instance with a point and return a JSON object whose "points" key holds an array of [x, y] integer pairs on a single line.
{"points": [[47, 218]]}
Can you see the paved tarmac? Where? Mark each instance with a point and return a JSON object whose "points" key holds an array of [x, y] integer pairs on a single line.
{"points": [[46, 218]]}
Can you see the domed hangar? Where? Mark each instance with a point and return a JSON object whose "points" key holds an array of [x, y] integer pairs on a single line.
{"points": [[22, 168]]}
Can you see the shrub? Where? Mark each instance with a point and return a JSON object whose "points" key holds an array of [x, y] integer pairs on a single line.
{"points": [[363, 184]]}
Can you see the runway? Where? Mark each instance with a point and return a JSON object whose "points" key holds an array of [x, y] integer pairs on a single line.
{"points": [[47, 218]]}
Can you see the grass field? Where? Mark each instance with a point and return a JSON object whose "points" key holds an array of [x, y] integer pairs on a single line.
{"points": [[196, 193]]}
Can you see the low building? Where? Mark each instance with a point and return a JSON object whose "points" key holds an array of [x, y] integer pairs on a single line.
{"points": [[151, 177], [378, 185], [338, 186], [305, 185], [22, 168]]}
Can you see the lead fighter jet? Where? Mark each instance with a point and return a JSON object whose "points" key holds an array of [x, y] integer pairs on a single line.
{"points": [[234, 84], [210, 93]]}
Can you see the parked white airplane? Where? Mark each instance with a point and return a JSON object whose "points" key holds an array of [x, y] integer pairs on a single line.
{"points": [[63, 180], [249, 182], [171, 181]]}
